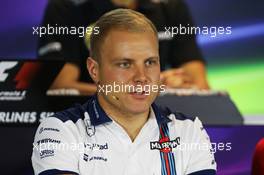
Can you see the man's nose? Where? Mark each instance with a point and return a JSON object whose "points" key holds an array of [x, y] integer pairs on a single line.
{"points": [[140, 75]]}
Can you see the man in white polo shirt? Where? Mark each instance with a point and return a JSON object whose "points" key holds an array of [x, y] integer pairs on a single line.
{"points": [[120, 131]]}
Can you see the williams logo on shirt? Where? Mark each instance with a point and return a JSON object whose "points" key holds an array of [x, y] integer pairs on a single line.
{"points": [[165, 144]]}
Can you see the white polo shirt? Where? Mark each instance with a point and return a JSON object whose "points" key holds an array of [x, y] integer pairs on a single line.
{"points": [[84, 140]]}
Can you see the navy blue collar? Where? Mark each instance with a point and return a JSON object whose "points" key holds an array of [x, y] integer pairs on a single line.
{"points": [[161, 116], [96, 112], [98, 115]]}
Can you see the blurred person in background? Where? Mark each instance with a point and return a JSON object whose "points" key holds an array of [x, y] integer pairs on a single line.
{"points": [[182, 64]]}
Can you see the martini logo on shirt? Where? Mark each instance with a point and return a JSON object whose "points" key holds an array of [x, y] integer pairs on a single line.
{"points": [[165, 144]]}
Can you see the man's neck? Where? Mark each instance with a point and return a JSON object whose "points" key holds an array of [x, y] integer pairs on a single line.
{"points": [[131, 123]]}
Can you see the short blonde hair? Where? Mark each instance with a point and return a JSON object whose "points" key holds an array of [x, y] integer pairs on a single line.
{"points": [[122, 19]]}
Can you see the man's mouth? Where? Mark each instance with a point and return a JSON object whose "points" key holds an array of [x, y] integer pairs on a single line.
{"points": [[138, 92], [139, 95]]}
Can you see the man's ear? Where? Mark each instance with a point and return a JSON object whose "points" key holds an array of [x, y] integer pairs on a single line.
{"points": [[93, 69]]}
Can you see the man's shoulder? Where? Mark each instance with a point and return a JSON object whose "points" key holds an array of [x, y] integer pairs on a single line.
{"points": [[72, 114], [68, 121]]}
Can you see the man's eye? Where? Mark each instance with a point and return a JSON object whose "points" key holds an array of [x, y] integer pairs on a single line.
{"points": [[150, 62], [124, 65]]}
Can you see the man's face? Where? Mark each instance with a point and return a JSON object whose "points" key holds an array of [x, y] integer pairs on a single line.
{"points": [[129, 58]]}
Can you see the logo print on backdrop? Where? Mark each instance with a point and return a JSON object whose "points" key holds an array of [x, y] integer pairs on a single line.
{"points": [[4, 66]]}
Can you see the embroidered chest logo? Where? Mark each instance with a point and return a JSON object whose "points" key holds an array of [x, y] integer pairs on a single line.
{"points": [[165, 144]]}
